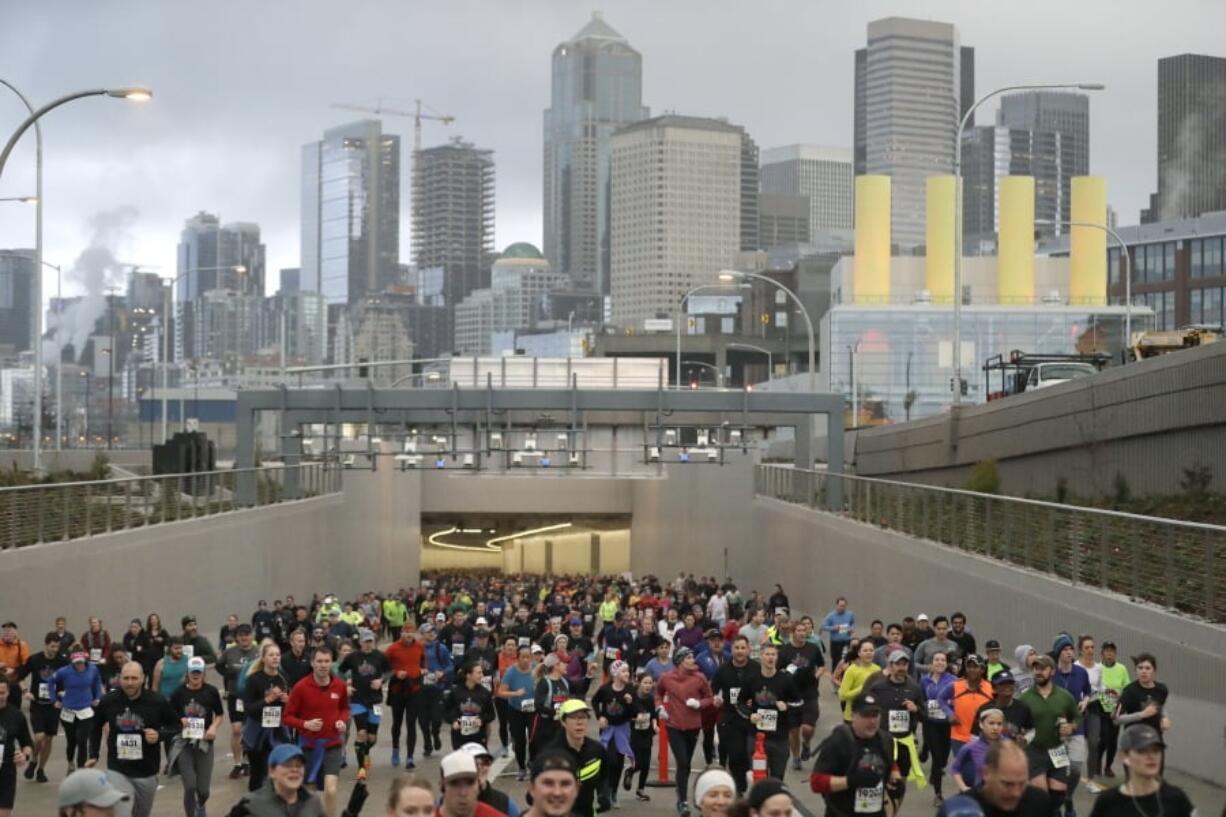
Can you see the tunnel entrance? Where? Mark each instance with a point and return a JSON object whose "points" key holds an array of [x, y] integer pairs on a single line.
{"points": [[557, 544]]}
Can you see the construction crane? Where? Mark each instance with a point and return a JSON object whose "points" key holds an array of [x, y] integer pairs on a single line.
{"points": [[416, 115]]}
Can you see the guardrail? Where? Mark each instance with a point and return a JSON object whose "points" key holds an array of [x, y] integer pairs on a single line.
{"points": [[55, 512], [1175, 564]]}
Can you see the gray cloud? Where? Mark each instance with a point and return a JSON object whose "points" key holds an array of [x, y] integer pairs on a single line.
{"points": [[240, 85]]}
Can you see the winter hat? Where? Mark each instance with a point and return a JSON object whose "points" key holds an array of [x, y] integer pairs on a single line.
{"points": [[711, 779]]}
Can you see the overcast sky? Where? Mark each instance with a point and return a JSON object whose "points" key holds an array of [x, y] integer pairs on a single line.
{"points": [[240, 85]]}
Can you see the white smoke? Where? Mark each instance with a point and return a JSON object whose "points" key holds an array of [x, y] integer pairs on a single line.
{"points": [[96, 270]]}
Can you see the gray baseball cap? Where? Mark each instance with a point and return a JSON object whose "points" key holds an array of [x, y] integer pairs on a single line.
{"points": [[90, 787]]}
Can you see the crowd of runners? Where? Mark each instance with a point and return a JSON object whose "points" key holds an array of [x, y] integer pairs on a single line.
{"points": [[520, 667]]}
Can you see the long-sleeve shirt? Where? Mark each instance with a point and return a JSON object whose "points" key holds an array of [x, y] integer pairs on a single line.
{"points": [[933, 687], [406, 658], [932, 646], [678, 686], [80, 688], [839, 626], [328, 703], [855, 677]]}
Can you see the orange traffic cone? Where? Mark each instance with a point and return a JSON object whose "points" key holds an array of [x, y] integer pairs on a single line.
{"points": [[759, 757]]}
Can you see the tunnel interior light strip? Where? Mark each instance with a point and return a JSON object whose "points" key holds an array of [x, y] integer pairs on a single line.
{"points": [[490, 544]]}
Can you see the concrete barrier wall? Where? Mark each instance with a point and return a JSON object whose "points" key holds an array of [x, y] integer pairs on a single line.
{"points": [[818, 557]]}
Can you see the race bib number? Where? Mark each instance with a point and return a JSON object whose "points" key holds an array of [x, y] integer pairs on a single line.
{"points": [[899, 721], [128, 747], [527, 705], [95, 655], [487, 682], [270, 717], [588, 618], [935, 712], [524, 641], [194, 729], [791, 669], [642, 721], [755, 652], [869, 800], [238, 705], [457, 650], [429, 679], [377, 710], [610, 653], [768, 720], [470, 724], [189, 651], [1059, 757], [44, 692], [734, 695]]}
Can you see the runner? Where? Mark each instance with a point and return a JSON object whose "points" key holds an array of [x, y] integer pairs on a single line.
{"points": [[615, 710], [469, 707], [264, 622], [755, 633], [14, 653], [839, 625], [228, 636], [967, 766], [727, 683], [1017, 718], [710, 656], [763, 701], [410, 796], [318, 707], [1145, 792], [770, 798], [76, 690], [199, 709], [194, 644], [554, 786], [16, 750], [284, 793], [552, 690], [515, 692], [44, 717], [405, 658], [642, 735], [1114, 679], [366, 670], [461, 788], [438, 678], [714, 791], [893, 641], [1055, 718], [903, 703], [964, 638], [991, 655], [586, 753], [1143, 700], [803, 660], [67, 639], [855, 761], [1004, 792], [856, 676], [295, 657], [964, 699], [234, 661], [1076, 680], [937, 724], [486, 792], [85, 793], [97, 642], [939, 642], [135, 720], [265, 694]]}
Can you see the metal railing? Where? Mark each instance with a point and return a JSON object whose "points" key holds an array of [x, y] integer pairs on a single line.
{"points": [[55, 512], [1175, 564]]}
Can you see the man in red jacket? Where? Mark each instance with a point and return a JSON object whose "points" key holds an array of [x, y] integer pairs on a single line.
{"points": [[318, 708], [681, 696]]}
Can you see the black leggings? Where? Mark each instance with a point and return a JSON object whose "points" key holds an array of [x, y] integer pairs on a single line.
{"points": [[404, 707], [734, 741], [937, 743], [430, 717], [76, 736], [504, 721], [519, 724], [683, 742], [640, 742], [257, 760]]}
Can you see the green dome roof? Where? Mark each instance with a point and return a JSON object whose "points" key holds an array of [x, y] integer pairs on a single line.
{"points": [[522, 249]]}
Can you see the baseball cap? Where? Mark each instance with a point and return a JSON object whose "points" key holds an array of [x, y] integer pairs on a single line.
{"points": [[426, 628], [1109, 645], [1003, 677], [188, 619], [898, 655], [1045, 661], [195, 664], [866, 704], [552, 761], [537, 649], [79, 656], [922, 617], [992, 644], [482, 622], [284, 753], [476, 750], [441, 617], [1140, 736], [89, 787], [764, 790], [712, 633], [973, 659], [680, 654], [551, 660], [573, 705], [458, 764], [366, 635], [243, 629]]}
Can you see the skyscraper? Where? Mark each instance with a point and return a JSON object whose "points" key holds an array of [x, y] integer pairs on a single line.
{"points": [[989, 153], [676, 211], [597, 87], [350, 212], [216, 258], [909, 98], [1191, 138], [823, 174], [453, 216], [16, 308], [1051, 112]]}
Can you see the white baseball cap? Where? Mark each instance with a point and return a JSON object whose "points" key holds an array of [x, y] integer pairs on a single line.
{"points": [[458, 764]]}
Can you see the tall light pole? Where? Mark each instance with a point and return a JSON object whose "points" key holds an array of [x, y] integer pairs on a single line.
{"points": [[719, 376], [733, 275], [681, 314], [770, 365], [59, 360], [1127, 267], [1047, 86], [136, 94]]}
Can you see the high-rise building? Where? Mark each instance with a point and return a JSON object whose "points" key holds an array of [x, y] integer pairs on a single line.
{"points": [[676, 211], [989, 153], [297, 322], [214, 258], [1191, 138], [16, 306], [783, 219], [350, 212], [751, 184], [1052, 112], [597, 87], [909, 98], [291, 280], [381, 334], [821, 174], [519, 280], [453, 215], [226, 324]]}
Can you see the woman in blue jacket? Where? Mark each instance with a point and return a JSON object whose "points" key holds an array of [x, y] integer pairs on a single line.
{"points": [[76, 690], [936, 727]]}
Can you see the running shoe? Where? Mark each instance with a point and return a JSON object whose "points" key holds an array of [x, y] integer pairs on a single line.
{"points": [[627, 778], [395, 757], [641, 796]]}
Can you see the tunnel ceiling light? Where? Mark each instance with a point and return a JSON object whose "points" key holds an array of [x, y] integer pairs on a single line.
{"points": [[492, 543], [433, 539]]}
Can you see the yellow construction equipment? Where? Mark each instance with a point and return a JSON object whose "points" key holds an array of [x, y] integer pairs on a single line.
{"points": [[1152, 344]]}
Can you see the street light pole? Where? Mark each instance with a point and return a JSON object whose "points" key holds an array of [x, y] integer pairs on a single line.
{"points": [[957, 350], [731, 275], [770, 365], [1127, 266], [680, 315]]}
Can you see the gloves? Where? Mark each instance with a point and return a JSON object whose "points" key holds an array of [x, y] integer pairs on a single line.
{"points": [[693, 703], [356, 800], [866, 774]]}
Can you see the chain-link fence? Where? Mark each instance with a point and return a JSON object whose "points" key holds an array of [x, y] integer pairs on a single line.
{"points": [[1178, 565], [30, 514]]}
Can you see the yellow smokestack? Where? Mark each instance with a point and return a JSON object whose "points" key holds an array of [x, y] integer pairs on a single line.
{"points": [[1088, 245], [872, 261], [939, 264], [1015, 252]]}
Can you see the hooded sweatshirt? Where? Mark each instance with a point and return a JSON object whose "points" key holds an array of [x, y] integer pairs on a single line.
{"points": [[1022, 674]]}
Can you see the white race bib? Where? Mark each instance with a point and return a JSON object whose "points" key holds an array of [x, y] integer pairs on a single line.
{"points": [[470, 724], [791, 669], [428, 679], [128, 747], [95, 655], [899, 721], [457, 650], [768, 720], [935, 712], [377, 710], [238, 705], [1059, 757], [189, 651], [44, 692], [194, 729], [869, 800], [734, 695], [270, 717], [487, 682], [527, 705], [642, 720], [524, 641], [610, 653]]}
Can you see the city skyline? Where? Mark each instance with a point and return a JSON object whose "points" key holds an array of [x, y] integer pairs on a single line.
{"points": [[182, 154]]}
